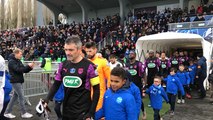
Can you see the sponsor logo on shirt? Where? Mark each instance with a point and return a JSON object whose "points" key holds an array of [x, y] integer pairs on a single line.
{"points": [[133, 72], [72, 81]]}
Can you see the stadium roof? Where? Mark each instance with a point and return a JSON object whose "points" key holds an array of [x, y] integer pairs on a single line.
{"points": [[71, 6]]}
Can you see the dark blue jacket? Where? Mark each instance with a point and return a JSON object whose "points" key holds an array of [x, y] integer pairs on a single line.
{"points": [[201, 72], [192, 72], [184, 77], [156, 94], [59, 96], [119, 105], [173, 85]]}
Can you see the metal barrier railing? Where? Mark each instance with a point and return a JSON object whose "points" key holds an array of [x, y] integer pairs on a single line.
{"points": [[36, 67], [106, 41], [38, 82]]}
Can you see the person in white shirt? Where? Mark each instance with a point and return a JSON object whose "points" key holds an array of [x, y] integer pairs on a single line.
{"points": [[113, 62]]}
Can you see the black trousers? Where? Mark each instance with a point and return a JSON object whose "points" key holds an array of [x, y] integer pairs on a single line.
{"points": [[156, 114], [57, 109], [75, 117], [172, 100], [201, 87], [142, 105], [3, 110]]}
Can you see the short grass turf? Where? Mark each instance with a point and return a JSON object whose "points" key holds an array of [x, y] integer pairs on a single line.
{"points": [[149, 110]]}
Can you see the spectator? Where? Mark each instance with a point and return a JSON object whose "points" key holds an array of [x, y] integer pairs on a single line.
{"points": [[211, 8], [205, 9], [200, 9], [187, 18], [199, 17], [16, 70], [204, 2], [192, 10]]}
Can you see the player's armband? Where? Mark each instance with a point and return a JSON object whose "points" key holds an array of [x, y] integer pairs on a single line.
{"points": [[94, 81]]}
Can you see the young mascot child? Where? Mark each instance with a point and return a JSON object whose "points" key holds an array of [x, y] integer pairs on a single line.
{"points": [[173, 86], [118, 103], [136, 92], [192, 71], [156, 93], [185, 80]]}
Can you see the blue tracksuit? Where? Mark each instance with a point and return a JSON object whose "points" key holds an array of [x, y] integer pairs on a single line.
{"points": [[134, 90], [156, 93], [59, 96], [119, 105], [192, 72], [184, 77], [173, 85], [7, 88]]}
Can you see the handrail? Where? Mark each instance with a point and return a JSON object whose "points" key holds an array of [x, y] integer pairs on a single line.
{"points": [[105, 41], [190, 25]]}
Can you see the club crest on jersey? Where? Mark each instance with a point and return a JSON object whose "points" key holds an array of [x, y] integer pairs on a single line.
{"points": [[135, 66], [72, 70], [80, 70], [119, 100]]}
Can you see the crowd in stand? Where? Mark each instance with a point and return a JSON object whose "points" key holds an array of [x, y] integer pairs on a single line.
{"points": [[37, 40]]}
